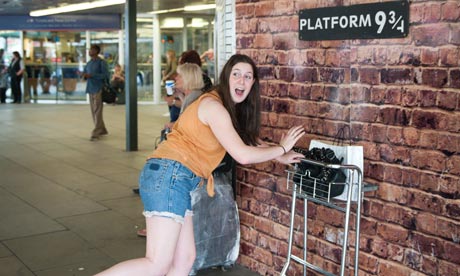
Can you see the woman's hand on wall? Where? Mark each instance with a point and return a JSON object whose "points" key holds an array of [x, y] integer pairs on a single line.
{"points": [[290, 138]]}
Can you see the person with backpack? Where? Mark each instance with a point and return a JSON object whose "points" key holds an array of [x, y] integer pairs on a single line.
{"points": [[96, 75]]}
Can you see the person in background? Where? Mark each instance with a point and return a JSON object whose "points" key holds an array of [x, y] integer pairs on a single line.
{"points": [[33, 72], [16, 70], [96, 74], [171, 65], [45, 78], [3, 77], [175, 101], [225, 119], [208, 58], [118, 83]]}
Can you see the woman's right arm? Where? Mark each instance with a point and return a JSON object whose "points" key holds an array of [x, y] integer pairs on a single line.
{"points": [[212, 113]]}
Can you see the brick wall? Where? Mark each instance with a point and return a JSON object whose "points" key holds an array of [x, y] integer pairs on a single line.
{"points": [[401, 98]]}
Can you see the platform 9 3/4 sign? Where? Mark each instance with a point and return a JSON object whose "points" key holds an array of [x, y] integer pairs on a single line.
{"points": [[366, 21]]}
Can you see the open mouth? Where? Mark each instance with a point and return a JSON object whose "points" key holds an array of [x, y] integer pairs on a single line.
{"points": [[239, 92]]}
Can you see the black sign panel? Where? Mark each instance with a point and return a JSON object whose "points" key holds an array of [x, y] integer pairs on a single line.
{"points": [[378, 20]]}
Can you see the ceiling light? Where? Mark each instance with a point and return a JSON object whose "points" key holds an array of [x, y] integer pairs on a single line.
{"points": [[77, 7], [167, 11], [143, 19], [200, 7], [172, 23]]}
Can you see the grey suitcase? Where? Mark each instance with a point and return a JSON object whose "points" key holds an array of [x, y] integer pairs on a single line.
{"points": [[216, 225]]}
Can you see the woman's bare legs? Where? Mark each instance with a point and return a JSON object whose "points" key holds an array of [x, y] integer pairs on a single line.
{"points": [[185, 254], [163, 235]]}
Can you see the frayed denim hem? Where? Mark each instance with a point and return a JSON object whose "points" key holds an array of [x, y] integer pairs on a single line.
{"points": [[176, 218]]}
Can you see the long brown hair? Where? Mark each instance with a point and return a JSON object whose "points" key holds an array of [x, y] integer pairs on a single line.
{"points": [[245, 115]]}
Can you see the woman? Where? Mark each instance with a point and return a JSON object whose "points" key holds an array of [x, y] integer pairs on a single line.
{"points": [[171, 65], [117, 82], [16, 70], [175, 101], [225, 119]]}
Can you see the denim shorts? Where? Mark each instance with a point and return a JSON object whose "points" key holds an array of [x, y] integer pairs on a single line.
{"points": [[165, 187]]}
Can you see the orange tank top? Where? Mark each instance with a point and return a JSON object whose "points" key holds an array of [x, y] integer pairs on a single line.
{"points": [[193, 144]]}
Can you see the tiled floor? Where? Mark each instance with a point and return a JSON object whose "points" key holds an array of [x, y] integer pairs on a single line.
{"points": [[66, 205]]}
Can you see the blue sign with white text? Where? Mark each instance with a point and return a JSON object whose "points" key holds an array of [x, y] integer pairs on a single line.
{"points": [[61, 22]]}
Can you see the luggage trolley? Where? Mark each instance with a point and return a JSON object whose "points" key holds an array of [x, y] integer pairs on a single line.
{"points": [[318, 192]]}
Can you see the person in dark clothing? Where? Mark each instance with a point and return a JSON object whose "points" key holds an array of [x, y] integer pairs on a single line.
{"points": [[16, 71], [3, 77]]}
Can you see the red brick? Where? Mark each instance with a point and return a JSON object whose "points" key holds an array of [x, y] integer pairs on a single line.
{"points": [[449, 56], [448, 100], [374, 170], [392, 193], [410, 177], [331, 217], [395, 116], [330, 75], [411, 136], [305, 75], [429, 56], [245, 42], [425, 201], [434, 77], [359, 94], [454, 79], [449, 187], [364, 113], [392, 233], [263, 41], [379, 133], [428, 139], [432, 12], [429, 182], [427, 98], [429, 119], [244, 11], [246, 218], [448, 269], [392, 268], [395, 135], [453, 210], [315, 57], [430, 35], [395, 253], [394, 55], [426, 223], [448, 229], [263, 8], [396, 76], [393, 175], [450, 11], [365, 55], [369, 75], [455, 34], [284, 41], [283, 7], [394, 155], [428, 160]]}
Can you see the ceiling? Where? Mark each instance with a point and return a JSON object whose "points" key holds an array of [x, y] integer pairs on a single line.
{"points": [[23, 7]]}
